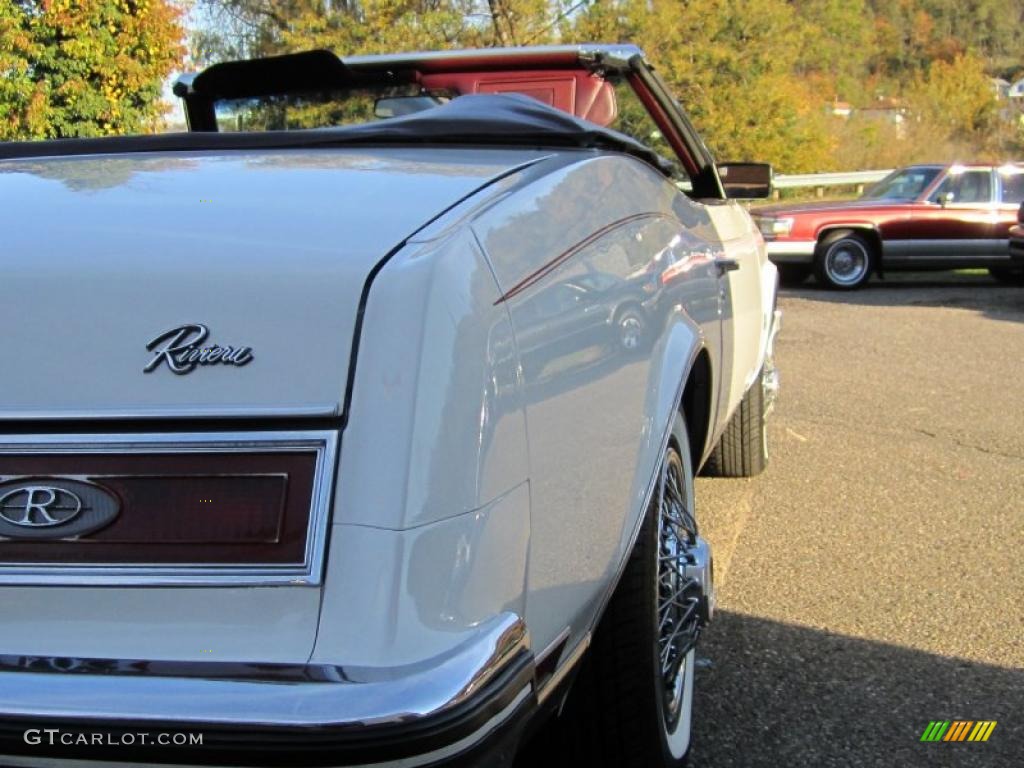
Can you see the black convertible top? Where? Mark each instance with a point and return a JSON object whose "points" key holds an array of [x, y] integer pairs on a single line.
{"points": [[509, 119]]}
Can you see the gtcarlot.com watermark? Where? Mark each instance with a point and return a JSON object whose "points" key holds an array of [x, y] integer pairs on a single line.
{"points": [[52, 737]]}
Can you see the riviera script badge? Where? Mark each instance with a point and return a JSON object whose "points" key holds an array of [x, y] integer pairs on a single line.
{"points": [[181, 349]]}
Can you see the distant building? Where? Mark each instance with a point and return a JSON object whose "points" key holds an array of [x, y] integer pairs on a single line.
{"points": [[839, 108], [1000, 87], [1016, 91], [885, 108]]}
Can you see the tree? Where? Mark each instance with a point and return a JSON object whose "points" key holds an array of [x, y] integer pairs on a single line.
{"points": [[733, 64], [956, 97], [839, 44], [85, 67]]}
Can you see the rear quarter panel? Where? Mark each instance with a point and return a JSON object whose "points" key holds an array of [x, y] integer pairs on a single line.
{"points": [[431, 526], [597, 412]]}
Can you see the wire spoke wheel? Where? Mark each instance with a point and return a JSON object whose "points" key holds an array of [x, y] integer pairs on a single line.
{"points": [[631, 705], [679, 595]]}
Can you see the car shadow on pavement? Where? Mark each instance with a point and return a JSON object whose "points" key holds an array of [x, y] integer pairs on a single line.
{"points": [[977, 292], [773, 694]]}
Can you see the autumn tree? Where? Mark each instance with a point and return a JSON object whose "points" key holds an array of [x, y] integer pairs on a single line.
{"points": [[917, 31], [956, 100], [733, 64], [838, 45], [85, 67]]}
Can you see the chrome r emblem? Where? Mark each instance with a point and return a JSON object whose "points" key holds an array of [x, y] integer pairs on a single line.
{"points": [[39, 506], [180, 349]]}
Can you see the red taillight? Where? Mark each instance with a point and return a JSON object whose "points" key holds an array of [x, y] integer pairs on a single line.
{"points": [[177, 508]]}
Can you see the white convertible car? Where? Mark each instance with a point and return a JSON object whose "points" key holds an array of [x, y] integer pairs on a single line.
{"points": [[358, 424]]}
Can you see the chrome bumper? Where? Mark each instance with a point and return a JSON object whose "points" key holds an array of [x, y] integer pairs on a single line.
{"points": [[791, 251], [267, 714]]}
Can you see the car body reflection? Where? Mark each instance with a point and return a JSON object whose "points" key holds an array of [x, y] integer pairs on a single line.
{"points": [[595, 318]]}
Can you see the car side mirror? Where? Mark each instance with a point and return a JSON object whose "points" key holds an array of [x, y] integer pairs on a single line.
{"points": [[746, 181], [946, 198]]}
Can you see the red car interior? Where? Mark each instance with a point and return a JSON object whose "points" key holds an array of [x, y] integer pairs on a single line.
{"points": [[577, 92]]}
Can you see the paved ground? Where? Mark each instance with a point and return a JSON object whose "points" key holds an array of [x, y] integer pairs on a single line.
{"points": [[873, 578]]}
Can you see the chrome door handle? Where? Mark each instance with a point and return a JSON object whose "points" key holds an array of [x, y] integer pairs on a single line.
{"points": [[726, 265]]}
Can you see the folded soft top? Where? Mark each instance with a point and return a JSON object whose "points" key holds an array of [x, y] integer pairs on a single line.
{"points": [[479, 119]]}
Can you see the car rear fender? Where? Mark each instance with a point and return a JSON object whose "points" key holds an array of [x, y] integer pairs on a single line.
{"points": [[682, 379], [582, 391]]}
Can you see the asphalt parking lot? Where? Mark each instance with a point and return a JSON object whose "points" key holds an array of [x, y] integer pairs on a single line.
{"points": [[872, 579]]}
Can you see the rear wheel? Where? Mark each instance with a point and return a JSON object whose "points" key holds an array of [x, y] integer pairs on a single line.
{"points": [[742, 450], [843, 260], [632, 703]]}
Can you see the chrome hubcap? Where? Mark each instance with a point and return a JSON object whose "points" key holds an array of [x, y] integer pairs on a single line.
{"points": [[846, 262], [681, 603]]}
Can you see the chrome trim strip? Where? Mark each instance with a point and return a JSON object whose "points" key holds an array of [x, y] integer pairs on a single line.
{"points": [[832, 226], [309, 573], [951, 248], [790, 250], [322, 410], [585, 52]]}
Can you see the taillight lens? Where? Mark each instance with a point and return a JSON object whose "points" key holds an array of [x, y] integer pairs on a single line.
{"points": [[189, 508]]}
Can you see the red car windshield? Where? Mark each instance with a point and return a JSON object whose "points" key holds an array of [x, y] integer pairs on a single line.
{"points": [[904, 184]]}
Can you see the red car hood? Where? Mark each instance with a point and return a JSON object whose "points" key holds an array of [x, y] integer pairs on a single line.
{"points": [[788, 209]]}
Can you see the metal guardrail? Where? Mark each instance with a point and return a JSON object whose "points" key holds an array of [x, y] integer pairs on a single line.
{"points": [[847, 178]]}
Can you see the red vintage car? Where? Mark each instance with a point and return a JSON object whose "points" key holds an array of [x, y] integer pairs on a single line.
{"points": [[925, 217]]}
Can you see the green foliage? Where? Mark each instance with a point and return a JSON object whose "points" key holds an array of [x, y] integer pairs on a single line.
{"points": [[84, 67]]}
